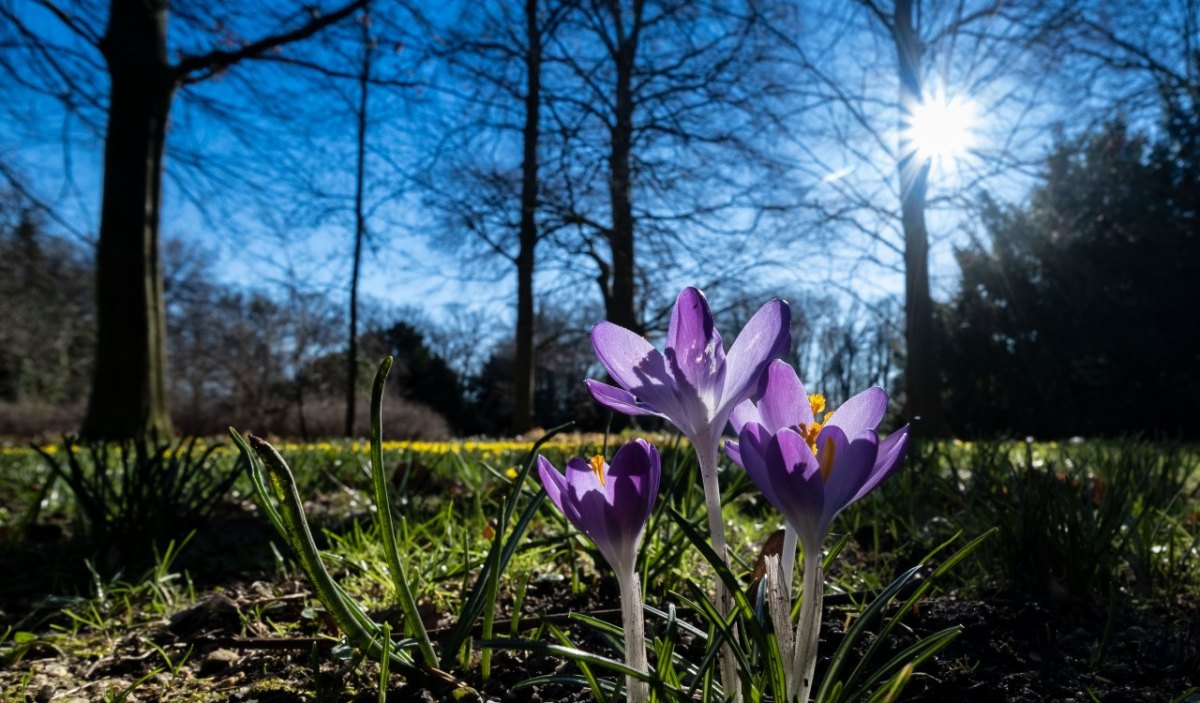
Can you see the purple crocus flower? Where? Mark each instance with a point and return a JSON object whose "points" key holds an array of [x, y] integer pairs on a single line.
{"points": [[611, 503], [811, 470], [694, 384]]}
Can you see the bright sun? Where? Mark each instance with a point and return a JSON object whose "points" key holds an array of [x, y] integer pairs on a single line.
{"points": [[942, 129]]}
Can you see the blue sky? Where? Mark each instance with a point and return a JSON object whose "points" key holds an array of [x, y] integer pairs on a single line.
{"points": [[61, 157], [259, 228]]}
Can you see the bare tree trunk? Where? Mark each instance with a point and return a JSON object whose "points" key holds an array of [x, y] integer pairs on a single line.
{"points": [[128, 395], [922, 381], [621, 290], [526, 370], [360, 230]]}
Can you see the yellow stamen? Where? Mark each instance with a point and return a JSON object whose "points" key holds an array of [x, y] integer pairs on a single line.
{"points": [[598, 467], [810, 431], [827, 459]]}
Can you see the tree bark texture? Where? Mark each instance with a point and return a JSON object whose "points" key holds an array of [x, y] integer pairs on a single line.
{"points": [[128, 395], [922, 381], [620, 300], [526, 369]]}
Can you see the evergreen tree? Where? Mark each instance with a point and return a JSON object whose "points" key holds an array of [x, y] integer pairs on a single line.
{"points": [[1080, 316]]}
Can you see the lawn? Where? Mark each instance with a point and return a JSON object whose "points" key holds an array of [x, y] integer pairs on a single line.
{"points": [[1012, 571]]}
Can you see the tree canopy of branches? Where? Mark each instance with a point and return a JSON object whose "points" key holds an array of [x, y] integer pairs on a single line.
{"points": [[665, 142], [884, 204], [488, 194], [128, 394]]}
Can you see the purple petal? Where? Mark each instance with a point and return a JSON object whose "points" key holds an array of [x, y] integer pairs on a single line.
{"points": [[635, 365], [617, 399], [837, 435], [552, 481], [581, 479], [796, 480], [861, 413], [596, 520], [734, 452], [750, 453], [742, 414], [891, 451], [851, 468], [757, 435], [694, 352], [586, 505], [655, 471], [765, 337], [784, 402], [611, 511], [633, 487]]}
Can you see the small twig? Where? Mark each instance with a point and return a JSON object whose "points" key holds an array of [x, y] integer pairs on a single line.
{"points": [[273, 599], [531, 622], [273, 643]]}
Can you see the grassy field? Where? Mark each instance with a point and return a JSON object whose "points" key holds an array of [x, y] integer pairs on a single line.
{"points": [[1083, 586]]}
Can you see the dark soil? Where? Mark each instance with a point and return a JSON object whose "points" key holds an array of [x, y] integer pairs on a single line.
{"points": [[252, 637], [1021, 649]]}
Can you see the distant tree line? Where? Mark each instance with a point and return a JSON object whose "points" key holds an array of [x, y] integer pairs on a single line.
{"points": [[276, 362], [47, 319]]}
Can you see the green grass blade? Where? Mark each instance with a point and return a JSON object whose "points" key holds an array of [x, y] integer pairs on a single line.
{"points": [[256, 473], [572, 653], [593, 682], [361, 632], [387, 528], [911, 655], [724, 628], [857, 630], [500, 552], [597, 623], [877, 605]]}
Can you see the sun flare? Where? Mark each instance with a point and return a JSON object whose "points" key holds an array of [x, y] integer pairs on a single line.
{"points": [[942, 129]]}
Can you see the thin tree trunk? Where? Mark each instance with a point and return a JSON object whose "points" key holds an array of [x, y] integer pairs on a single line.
{"points": [[523, 410], [921, 375], [360, 230], [128, 396], [621, 292], [302, 421]]}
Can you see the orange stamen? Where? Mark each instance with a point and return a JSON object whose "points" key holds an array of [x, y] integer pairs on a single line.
{"points": [[598, 467], [827, 459], [809, 433]]}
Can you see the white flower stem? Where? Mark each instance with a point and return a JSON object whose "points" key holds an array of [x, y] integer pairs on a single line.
{"points": [[808, 630], [633, 620], [779, 606], [787, 558], [706, 452]]}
